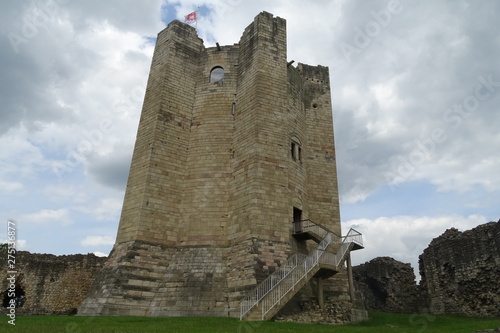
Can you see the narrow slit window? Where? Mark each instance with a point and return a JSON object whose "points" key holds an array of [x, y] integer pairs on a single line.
{"points": [[296, 151], [217, 74]]}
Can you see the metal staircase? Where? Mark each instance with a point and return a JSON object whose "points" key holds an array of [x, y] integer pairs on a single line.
{"points": [[279, 287]]}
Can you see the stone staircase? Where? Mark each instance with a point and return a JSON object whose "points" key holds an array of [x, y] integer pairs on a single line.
{"points": [[325, 260]]}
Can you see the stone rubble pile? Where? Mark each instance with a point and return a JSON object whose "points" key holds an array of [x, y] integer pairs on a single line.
{"points": [[334, 312]]}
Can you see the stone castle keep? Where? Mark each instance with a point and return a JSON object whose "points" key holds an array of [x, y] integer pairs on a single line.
{"points": [[233, 183]]}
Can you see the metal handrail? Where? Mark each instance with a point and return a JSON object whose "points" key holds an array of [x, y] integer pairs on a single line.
{"points": [[253, 298], [332, 259], [308, 225], [354, 236], [275, 295], [277, 285]]}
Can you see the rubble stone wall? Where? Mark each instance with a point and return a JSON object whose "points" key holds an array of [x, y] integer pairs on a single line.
{"points": [[460, 275], [386, 284], [460, 271], [53, 284]]}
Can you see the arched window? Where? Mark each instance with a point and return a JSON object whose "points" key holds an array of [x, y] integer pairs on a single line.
{"points": [[217, 74]]}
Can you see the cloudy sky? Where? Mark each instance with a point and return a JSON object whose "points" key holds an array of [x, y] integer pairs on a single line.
{"points": [[415, 89]]}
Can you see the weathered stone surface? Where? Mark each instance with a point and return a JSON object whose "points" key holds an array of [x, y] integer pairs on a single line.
{"points": [[460, 275], [461, 271], [386, 284], [334, 312], [337, 305], [53, 284], [57, 284], [217, 170]]}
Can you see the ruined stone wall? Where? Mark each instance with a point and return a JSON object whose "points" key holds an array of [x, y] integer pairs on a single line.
{"points": [[385, 284], [53, 284], [461, 270], [460, 275]]}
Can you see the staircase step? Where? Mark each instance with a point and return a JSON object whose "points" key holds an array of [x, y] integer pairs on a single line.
{"points": [[289, 295], [324, 269]]}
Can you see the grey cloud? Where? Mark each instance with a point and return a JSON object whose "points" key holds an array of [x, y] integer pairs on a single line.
{"points": [[436, 51], [111, 170], [127, 15], [42, 60]]}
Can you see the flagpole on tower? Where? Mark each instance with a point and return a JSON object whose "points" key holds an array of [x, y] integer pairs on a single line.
{"points": [[192, 17]]}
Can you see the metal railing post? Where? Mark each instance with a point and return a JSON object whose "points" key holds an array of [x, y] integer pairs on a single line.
{"points": [[277, 285]]}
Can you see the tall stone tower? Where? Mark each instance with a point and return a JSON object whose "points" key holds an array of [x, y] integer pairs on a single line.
{"points": [[234, 144]]}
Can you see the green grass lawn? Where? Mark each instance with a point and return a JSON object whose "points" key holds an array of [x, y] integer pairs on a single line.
{"points": [[379, 322]]}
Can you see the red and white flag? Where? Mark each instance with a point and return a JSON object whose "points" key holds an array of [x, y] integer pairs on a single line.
{"points": [[190, 18]]}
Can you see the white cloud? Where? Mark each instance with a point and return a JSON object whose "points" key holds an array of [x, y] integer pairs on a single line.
{"points": [[65, 193], [21, 244], [106, 209], [10, 187], [100, 254], [97, 240], [20, 159], [47, 216], [400, 87], [404, 237]]}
